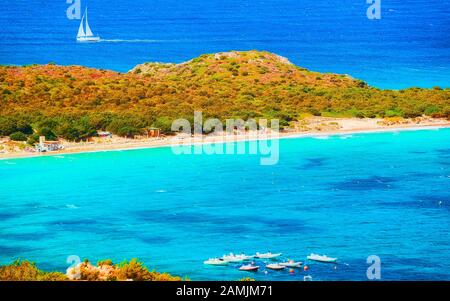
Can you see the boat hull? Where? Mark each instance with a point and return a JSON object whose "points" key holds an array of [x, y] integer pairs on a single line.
{"points": [[216, 262], [267, 256], [275, 267], [88, 39], [323, 260], [249, 269], [291, 265], [236, 258]]}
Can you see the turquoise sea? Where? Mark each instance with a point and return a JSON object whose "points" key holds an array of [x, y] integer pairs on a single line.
{"points": [[347, 196], [409, 46]]}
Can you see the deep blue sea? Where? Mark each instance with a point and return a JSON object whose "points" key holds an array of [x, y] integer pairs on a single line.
{"points": [[347, 196], [409, 46]]}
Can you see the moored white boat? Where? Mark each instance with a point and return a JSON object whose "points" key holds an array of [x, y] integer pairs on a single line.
{"points": [[267, 255], [322, 258], [291, 264], [245, 257], [236, 258], [249, 268], [215, 261], [275, 266]]}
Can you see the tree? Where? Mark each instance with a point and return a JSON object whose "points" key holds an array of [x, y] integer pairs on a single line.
{"points": [[126, 126], [23, 125], [128, 131], [7, 126], [76, 130], [33, 139], [164, 124], [48, 133]]}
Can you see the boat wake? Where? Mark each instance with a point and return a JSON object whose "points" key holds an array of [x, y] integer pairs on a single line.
{"points": [[71, 206], [322, 137], [129, 41], [345, 137]]}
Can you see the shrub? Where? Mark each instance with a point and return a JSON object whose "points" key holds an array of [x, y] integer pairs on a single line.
{"points": [[247, 279], [18, 136], [52, 276], [361, 84], [431, 110], [134, 270], [128, 131], [24, 270], [88, 272], [105, 262], [359, 115], [393, 113], [33, 139]]}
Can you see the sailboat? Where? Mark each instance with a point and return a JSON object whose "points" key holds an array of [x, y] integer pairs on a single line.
{"points": [[84, 32]]}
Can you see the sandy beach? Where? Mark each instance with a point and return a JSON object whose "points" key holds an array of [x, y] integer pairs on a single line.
{"points": [[318, 126]]}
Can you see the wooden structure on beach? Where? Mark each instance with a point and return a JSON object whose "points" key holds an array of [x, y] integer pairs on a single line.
{"points": [[48, 146], [153, 132]]}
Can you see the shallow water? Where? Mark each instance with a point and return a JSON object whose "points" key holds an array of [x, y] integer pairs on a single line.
{"points": [[409, 46], [352, 196]]}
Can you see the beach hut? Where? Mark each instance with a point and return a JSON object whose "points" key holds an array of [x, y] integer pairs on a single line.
{"points": [[153, 132]]}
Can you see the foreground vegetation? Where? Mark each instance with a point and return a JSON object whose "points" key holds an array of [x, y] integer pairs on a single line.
{"points": [[23, 270], [74, 102]]}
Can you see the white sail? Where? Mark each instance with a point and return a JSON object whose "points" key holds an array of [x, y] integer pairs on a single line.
{"points": [[81, 29], [84, 32], [88, 29]]}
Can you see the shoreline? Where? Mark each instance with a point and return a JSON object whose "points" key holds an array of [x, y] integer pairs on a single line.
{"points": [[205, 140]]}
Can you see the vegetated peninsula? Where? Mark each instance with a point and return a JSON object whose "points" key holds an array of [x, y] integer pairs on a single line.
{"points": [[74, 103]]}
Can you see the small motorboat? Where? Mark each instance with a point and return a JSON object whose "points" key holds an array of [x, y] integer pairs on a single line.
{"points": [[267, 255], [249, 268], [246, 257], [236, 258], [216, 261], [275, 266], [291, 264], [322, 258]]}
